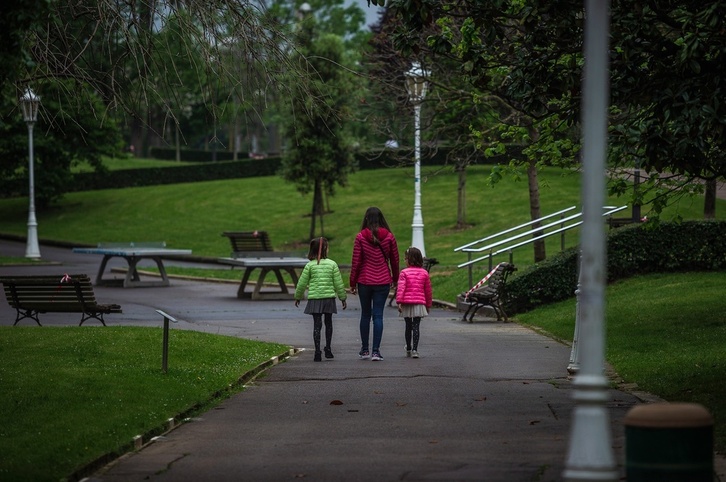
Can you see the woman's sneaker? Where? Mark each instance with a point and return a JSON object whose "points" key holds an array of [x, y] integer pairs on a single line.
{"points": [[414, 354], [408, 351], [364, 354], [376, 356]]}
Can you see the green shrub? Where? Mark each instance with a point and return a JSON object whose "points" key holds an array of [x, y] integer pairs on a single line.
{"points": [[637, 249]]}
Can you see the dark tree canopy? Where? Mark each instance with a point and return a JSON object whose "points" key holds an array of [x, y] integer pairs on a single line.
{"points": [[667, 113]]}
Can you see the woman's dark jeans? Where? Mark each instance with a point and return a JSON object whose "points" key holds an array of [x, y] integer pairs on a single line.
{"points": [[372, 302]]}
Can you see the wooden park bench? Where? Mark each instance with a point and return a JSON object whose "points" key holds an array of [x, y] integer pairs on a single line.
{"points": [[32, 295], [252, 250], [490, 293], [249, 243]]}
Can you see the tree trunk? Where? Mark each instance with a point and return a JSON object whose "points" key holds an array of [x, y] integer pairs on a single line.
{"points": [[709, 205], [534, 211], [318, 208], [461, 197], [177, 142]]}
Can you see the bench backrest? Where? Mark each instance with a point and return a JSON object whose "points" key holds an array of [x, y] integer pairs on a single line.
{"points": [[499, 278], [505, 269], [248, 243], [54, 293], [429, 263], [149, 244]]}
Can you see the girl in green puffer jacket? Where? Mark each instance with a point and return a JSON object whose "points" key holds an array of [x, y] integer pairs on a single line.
{"points": [[321, 277]]}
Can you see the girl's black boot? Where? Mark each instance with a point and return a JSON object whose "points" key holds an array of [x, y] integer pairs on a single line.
{"points": [[328, 352], [317, 356]]}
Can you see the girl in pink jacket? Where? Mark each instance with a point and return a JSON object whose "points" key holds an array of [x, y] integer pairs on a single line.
{"points": [[414, 298]]}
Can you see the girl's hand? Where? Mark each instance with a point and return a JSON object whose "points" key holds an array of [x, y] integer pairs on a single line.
{"points": [[297, 303], [345, 304], [353, 290]]}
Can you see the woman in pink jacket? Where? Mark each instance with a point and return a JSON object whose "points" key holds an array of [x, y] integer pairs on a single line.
{"points": [[374, 269], [414, 298]]}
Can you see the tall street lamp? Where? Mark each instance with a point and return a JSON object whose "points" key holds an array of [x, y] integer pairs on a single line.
{"points": [[30, 103], [416, 85], [590, 455]]}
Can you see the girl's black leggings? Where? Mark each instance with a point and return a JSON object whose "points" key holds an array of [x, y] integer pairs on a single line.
{"points": [[318, 326], [413, 330]]}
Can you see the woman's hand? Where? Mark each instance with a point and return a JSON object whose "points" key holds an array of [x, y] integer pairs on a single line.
{"points": [[345, 304], [297, 303], [353, 290]]}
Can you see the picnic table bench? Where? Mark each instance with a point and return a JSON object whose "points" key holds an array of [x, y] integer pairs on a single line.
{"points": [[32, 295], [490, 293], [252, 250], [133, 253]]}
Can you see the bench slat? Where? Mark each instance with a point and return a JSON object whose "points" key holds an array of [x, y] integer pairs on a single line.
{"points": [[248, 241], [490, 294]]}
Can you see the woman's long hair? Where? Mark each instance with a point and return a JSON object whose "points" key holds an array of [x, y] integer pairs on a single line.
{"points": [[373, 220]]}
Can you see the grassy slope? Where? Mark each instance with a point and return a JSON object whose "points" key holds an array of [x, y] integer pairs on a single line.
{"points": [[194, 215], [639, 337], [665, 332]]}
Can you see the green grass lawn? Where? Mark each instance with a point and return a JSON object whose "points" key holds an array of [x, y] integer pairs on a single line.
{"points": [[96, 388], [665, 332], [194, 215]]}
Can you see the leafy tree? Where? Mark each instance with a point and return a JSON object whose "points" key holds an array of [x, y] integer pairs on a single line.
{"points": [[457, 116], [66, 133], [319, 154], [665, 77], [469, 116]]}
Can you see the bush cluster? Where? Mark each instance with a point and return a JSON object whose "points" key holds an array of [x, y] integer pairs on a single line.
{"points": [[632, 250]]}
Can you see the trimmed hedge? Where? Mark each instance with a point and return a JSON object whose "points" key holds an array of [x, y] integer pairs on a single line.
{"points": [[227, 169], [192, 155], [151, 176], [636, 249]]}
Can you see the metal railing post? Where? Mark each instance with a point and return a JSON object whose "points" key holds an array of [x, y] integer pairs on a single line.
{"points": [[165, 340]]}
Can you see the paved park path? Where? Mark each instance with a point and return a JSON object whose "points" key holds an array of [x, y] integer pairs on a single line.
{"points": [[487, 401]]}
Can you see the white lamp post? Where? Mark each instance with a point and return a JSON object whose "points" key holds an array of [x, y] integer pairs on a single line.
{"points": [[590, 454], [30, 103], [416, 84]]}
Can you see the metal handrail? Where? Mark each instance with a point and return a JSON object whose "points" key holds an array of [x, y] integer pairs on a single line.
{"points": [[463, 248], [609, 210]]}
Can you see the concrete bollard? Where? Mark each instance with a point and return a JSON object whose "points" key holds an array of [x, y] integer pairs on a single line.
{"points": [[669, 442]]}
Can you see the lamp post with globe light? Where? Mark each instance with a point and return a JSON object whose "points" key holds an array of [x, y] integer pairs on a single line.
{"points": [[416, 85], [30, 103]]}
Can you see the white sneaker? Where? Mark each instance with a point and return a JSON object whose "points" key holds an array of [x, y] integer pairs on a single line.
{"points": [[408, 352], [376, 356], [414, 354]]}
